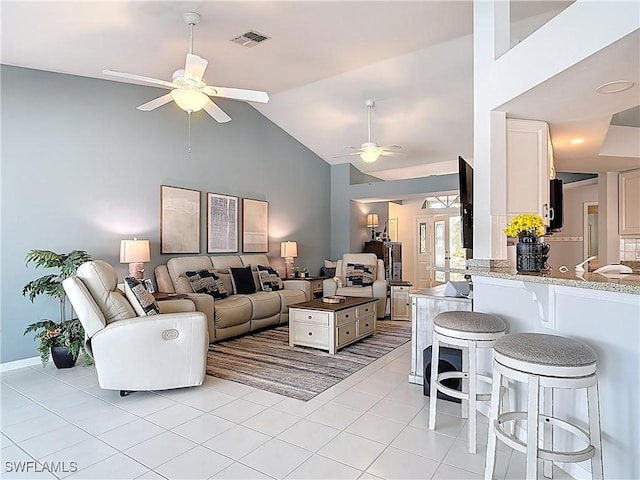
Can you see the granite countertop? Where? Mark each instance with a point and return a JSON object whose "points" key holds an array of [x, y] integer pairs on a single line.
{"points": [[437, 292], [629, 283]]}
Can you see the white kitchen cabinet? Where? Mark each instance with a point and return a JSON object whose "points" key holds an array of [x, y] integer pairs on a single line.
{"points": [[529, 162], [629, 203]]}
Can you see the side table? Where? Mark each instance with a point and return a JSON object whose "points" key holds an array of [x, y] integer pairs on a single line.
{"points": [[168, 296], [316, 284], [400, 302]]}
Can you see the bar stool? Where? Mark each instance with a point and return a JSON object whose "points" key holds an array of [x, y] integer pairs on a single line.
{"points": [[468, 331], [544, 361]]}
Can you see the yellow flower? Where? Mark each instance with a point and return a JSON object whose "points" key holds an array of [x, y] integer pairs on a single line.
{"points": [[525, 225]]}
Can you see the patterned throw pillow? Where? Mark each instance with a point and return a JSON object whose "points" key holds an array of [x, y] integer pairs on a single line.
{"points": [[269, 278], [242, 280], [206, 281], [142, 301], [360, 275]]}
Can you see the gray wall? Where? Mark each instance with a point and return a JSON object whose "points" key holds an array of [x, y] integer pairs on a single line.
{"points": [[347, 220], [82, 169]]}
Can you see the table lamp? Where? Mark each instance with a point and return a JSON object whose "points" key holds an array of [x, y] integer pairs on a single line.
{"points": [[372, 222], [135, 252], [288, 250]]}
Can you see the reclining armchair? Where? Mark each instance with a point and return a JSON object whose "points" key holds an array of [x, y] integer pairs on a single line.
{"points": [[137, 351], [359, 275]]}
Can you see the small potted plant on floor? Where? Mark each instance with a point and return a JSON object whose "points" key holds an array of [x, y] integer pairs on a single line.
{"points": [[64, 339]]}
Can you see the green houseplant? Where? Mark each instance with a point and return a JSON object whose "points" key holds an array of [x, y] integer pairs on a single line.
{"points": [[65, 336]]}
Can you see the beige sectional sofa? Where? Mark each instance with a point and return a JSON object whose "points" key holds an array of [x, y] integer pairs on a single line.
{"points": [[236, 314]]}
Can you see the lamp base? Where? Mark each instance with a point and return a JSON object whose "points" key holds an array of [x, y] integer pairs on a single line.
{"points": [[288, 267], [136, 270]]}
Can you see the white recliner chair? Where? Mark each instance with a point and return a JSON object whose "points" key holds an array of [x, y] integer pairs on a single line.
{"points": [[131, 352], [339, 285]]}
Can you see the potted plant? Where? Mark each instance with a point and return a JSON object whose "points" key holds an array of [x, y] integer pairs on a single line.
{"points": [[64, 339]]}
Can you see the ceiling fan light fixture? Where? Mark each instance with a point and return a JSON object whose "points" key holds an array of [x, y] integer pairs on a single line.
{"points": [[370, 154], [189, 100]]}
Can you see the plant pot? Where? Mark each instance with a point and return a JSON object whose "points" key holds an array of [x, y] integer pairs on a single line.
{"points": [[62, 358], [531, 255]]}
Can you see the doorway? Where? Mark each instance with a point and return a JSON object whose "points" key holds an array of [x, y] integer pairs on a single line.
{"points": [[590, 236], [439, 249]]}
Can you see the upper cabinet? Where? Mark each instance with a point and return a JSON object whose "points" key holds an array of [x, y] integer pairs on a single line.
{"points": [[529, 165], [629, 203]]}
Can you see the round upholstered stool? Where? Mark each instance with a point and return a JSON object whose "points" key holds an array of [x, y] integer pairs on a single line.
{"points": [[468, 331], [544, 361]]}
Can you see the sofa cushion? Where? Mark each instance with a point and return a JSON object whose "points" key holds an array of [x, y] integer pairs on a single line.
{"points": [[143, 301], [264, 305], [270, 280], [360, 275], [242, 280], [206, 281], [232, 311]]}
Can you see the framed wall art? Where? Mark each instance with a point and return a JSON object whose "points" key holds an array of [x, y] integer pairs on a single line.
{"points": [[222, 223], [179, 220], [255, 226]]}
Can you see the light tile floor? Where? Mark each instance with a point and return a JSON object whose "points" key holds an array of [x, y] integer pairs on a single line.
{"points": [[372, 425]]}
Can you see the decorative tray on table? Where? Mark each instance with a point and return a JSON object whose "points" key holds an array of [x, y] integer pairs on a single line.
{"points": [[334, 299]]}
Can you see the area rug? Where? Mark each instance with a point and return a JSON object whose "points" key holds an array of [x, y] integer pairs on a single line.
{"points": [[265, 360]]}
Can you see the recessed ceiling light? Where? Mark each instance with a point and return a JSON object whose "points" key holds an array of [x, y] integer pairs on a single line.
{"points": [[615, 87], [576, 141]]}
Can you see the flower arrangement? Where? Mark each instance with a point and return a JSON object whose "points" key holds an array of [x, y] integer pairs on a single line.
{"points": [[526, 226]]}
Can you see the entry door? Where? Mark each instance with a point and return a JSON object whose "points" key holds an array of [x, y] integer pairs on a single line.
{"points": [[441, 249], [423, 274]]}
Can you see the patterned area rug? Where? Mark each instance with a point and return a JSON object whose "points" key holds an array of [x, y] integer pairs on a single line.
{"points": [[265, 360]]}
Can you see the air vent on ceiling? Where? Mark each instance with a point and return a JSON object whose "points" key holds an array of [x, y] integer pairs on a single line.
{"points": [[250, 39]]}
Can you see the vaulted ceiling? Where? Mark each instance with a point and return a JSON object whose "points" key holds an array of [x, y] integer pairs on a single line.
{"points": [[323, 60]]}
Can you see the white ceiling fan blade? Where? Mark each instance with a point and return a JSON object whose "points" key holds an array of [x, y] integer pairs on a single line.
{"points": [[195, 67], [387, 153], [155, 103], [140, 78], [216, 112], [390, 146], [237, 94], [345, 155]]}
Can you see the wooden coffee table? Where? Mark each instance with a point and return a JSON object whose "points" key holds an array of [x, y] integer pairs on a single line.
{"points": [[330, 326]]}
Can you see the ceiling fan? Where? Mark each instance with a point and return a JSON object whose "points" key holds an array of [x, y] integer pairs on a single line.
{"points": [[188, 89], [370, 151]]}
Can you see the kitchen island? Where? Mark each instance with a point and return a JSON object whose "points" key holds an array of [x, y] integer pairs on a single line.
{"points": [[605, 314]]}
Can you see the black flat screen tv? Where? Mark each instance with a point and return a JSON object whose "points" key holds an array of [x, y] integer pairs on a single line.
{"points": [[465, 177]]}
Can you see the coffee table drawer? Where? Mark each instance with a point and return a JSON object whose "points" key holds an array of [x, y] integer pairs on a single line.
{"points": [[346, 333], [365, 310], [311, 335], [346, 316], [366, 325], [311, 316]]}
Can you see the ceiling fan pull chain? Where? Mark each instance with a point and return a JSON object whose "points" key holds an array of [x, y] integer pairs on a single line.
{"points": [[189, 117]]}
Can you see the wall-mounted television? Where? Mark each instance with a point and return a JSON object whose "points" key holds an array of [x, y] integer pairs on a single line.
{"points": [[465, 178]]}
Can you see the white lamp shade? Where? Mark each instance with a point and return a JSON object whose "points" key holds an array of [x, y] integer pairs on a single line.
{"points": [[189, 100], [372, 220], [288, 249], [134, 251]]}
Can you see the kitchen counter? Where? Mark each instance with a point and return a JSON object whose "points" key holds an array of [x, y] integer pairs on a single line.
{"points": [[602, 312], [629, 283]]}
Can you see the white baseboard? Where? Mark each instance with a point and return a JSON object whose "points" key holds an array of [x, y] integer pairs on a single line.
{"points": [[25, 362]]}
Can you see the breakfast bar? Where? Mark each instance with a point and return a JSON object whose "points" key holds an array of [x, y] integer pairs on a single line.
{"points": [[604, 313]]}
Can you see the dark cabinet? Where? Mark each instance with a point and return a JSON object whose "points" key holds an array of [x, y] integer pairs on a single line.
{"points": [[391, 254]]}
